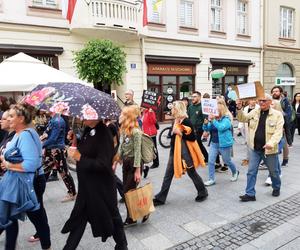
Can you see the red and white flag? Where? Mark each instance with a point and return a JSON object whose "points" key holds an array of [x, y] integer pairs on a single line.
{"points": [[68, 7], [145, 14]]}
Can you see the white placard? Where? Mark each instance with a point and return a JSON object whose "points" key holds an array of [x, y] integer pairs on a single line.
{"points": [[246, 90], [209, 106]]}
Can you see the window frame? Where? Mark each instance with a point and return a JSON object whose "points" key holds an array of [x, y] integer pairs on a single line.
{"points": [[44, 4], [161, 17], [245, 14], [185, 23], [212, 20], [285, 23]]}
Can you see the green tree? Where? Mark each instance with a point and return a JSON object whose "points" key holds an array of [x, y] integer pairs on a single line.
{"points": [[101, 62]]}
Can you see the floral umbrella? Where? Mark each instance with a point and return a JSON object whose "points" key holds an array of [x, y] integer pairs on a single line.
{"points": [[74, 99]]}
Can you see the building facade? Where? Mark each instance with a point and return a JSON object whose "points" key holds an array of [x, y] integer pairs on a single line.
{"points": [[173, 54], [281, 45]]}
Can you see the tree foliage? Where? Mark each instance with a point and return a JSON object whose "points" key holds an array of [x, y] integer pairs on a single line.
{"points": [[101, 62]]}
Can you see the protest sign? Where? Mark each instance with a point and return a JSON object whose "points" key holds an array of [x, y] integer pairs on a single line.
{"points": [[150, 100], [250, 90], [209, 106]]}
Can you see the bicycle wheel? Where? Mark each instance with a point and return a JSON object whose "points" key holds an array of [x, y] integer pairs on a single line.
{"points": [[164, 137]]}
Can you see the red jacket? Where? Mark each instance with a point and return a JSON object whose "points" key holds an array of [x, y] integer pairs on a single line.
{"points": [[149, 120]]}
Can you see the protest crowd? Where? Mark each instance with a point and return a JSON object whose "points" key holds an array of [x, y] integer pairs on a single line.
{"points": [[36, 146]]}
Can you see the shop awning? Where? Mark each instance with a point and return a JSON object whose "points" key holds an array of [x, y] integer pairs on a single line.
{"points": [[172, 59], [233, 62]]}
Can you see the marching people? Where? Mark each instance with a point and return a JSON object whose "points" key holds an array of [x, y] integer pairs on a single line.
{"points": [[251, 105], [277, 94], [265, 132], [23, 184], [196, 117], [129, 98], [220, 128], [130, 153], [185, 155], [55, 154], [8, 136], [296, 111], [276, 105], [150, 128], [96, 201], [114, 129]]}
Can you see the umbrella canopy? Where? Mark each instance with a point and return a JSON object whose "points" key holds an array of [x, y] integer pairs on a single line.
{"points": [[74, 99], [22, 73]]}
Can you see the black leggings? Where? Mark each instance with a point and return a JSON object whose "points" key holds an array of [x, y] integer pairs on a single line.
{"points": [[38, 218]]}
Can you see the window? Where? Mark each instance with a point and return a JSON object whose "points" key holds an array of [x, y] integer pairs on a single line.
{"points": [[155, 11], [45, 3], [186, 13], [242, 17], [284, 70], [286, 22], [216, 15]]}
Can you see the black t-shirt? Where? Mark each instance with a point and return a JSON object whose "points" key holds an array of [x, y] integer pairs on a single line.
{"points": [[260, 133]]}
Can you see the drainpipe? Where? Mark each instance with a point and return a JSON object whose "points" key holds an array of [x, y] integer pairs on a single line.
{"points": [[144, 73], [262, 39]]}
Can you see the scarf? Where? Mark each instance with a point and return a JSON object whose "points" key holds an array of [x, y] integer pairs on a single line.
{"points": [[194, 149]]}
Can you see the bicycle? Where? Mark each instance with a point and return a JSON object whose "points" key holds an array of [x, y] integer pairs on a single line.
{"points": [[164, 137]]}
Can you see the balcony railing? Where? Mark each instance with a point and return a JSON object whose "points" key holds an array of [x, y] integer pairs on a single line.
{"points": [[114, 13]]}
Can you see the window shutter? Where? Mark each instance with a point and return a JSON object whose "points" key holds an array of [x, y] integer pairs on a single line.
{"points": [[182, 13]]}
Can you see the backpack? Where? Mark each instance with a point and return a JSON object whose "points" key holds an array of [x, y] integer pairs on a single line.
{"points": [[148, 150]]}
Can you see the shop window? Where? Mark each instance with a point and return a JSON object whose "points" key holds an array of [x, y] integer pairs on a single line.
{"points": [[185, 86], [285, 70], [287, 22], [187, 13], [152, 80], [216, 15], [242, 17]]}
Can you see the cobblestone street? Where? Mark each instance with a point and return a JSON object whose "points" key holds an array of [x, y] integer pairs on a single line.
{"points": [[220, 222]]}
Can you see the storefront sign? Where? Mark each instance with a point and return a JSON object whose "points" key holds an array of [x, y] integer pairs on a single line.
{"points": [[150, 100], [232, 70], [161, 69], [209, 106], [51, 61], [285, 81]]}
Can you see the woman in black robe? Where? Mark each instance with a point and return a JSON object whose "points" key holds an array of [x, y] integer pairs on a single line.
{"points": [[96, 200]]}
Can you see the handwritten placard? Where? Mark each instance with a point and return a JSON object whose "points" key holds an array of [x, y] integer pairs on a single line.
{"points": [[150, 100], [246, 90], [209, 106]]}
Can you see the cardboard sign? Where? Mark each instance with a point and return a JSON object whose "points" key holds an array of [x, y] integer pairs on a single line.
{"points": [[150, 100], [246, 90], [209, 106], [259, 91]]}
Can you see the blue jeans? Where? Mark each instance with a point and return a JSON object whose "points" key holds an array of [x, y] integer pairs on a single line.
{"points": [[272, 163], [214, 150]]}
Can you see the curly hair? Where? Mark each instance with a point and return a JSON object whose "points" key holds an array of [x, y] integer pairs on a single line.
{"points": [[128, 119]]}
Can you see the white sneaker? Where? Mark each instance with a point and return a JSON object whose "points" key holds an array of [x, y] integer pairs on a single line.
{"points": [[209, 183], [268, 181], [235, 176]]}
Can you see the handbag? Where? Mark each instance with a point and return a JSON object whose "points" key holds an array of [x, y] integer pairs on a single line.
{"points": [[139, 201], [13, 155]]}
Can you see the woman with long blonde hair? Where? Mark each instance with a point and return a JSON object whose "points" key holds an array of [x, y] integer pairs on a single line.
{"points": [[185, 156], [220, 128], [130, 152]]}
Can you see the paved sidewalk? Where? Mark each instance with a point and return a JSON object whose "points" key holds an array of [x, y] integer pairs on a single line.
{"points": [[182, 220]]}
